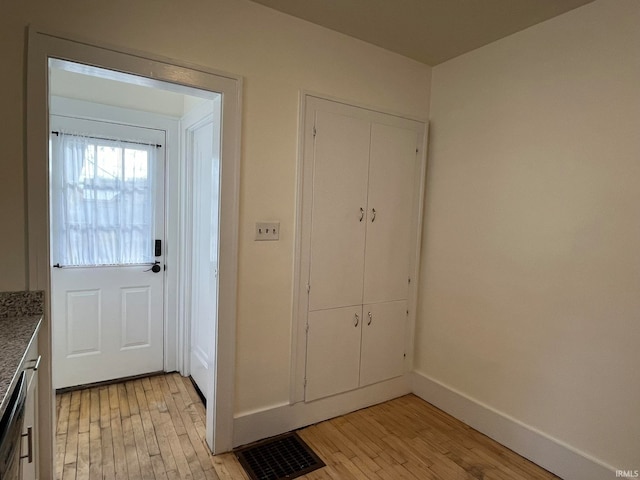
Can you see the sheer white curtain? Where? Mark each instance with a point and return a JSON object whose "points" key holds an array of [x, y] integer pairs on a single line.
{"points": [[102, 201]]}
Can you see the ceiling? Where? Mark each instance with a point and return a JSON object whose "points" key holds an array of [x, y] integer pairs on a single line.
{"points": [[429, 31]]}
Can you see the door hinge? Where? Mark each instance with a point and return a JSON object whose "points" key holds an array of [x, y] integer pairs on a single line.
{"points": [[308, 288], [307, 328], [305, 382], [407, 313], [417, 150], [409, 280], [315, 132]]}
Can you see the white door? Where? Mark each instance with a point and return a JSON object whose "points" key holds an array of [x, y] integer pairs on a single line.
{"points": [[107, 217], [203, 155], [341, 158]]}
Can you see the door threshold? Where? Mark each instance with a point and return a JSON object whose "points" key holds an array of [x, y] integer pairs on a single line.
{"points": [[109, 382]]}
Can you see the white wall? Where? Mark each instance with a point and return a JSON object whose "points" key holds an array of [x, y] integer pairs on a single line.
{"points": [[531, 262], [278, 56]]}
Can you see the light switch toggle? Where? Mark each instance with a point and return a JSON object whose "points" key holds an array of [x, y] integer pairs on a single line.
{"points": [[267, 231]]}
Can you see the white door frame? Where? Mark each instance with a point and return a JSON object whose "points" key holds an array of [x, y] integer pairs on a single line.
{"points": [[43, 45]]}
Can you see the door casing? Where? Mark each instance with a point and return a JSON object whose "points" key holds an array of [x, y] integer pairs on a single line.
{"points": [[43, 45]]}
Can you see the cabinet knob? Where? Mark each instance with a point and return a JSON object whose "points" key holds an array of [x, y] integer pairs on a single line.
{"points": [[357, 320], [370, 318], [373, 215], [361, 213]]}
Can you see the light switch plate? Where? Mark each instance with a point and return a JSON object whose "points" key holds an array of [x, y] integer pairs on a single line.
{"points": [[267, 231]]}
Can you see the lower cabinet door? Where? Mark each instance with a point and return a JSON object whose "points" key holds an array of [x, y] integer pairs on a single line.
{"points": [[31, 431], [333, 351], [383, 341]]}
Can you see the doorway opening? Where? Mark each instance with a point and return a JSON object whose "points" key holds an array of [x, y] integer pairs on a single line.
{"points": [[134, 190], [115, 160]]}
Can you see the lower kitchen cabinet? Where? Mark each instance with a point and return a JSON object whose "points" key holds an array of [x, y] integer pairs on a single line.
{"points": [[352, 347], [29, 448]]}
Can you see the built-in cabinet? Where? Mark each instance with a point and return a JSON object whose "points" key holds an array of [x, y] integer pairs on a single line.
{"points": [[361, 200]]}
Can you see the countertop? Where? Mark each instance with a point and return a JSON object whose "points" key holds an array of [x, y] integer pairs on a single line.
{"points": [[15, 338]]}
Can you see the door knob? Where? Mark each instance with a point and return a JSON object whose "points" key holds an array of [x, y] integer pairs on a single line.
{"points": [[155, 268]]}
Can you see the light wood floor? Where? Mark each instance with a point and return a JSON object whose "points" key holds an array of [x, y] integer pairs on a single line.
{"points": [[141, 429], [154, 428]]}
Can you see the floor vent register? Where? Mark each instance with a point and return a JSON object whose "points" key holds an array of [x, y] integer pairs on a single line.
{"points": [[282, 457]]}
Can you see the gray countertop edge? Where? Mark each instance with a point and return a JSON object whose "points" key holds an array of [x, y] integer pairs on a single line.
{"points": [[19, 367]]}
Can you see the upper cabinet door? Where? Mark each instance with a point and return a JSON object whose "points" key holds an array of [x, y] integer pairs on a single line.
{"points": [[338, 224], [392, 170]]}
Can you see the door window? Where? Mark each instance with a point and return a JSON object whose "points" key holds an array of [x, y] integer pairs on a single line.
{"points": [[103, 201]]}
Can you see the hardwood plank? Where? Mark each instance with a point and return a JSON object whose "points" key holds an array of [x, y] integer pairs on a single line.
{"points": [[131, 454], [94, 415], [145, 417], [134, 409], [174, 415], [108, 464], [168, 424], [61, 443], [159, 471], [158, 410], [85, 408], [95, 447], [119, 452], [69, 472], [144, 460], [123, 401], [63, 414], [82, 463], [71, 448], [190, 455], [105, 409]]}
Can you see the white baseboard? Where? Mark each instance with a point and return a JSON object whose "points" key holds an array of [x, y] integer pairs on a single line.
{"points": [[554, 455], [251, 426]]}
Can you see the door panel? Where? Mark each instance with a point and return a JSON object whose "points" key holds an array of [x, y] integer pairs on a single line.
{"points": [[111, 329], [83, 314], [339, 192], [136, 317], [333, 351], [392, 169], [383, 337]]}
